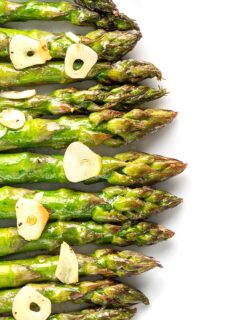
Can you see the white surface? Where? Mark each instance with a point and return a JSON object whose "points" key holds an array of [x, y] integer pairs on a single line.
{"points": [[196, 44]]}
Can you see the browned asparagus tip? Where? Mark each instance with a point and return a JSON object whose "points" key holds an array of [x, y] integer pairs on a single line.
{"points": [[167, 232]]}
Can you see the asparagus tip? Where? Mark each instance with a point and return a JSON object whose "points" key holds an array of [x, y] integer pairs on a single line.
{"points": [[168, 234], [179, 166], [176, 201]]}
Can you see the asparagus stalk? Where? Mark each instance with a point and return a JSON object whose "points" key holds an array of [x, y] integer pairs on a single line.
{"points": [[108, 127], [130, 168], [79, 233], [92, 314], [113, 204], [104, 262], [103, 293], [110, 46], [97, 98], [99, 5], [63, 10], [122, 97], [125, 71]]}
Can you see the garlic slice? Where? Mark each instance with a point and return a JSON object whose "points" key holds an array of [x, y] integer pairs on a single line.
{"points": [[26, 52], [12, 118], [32, 218], [3, 130], [38, 196], [81, 163], [18, 95], [43, 50], [67, 268], [73, 37], [79, 52], [25, 299]]}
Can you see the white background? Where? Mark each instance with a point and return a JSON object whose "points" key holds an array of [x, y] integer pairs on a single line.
{"points": [[196, 45]]}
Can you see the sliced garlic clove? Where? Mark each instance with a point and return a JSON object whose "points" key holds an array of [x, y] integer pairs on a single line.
{"points": [[12, 118], [81, 163], [3, 130], [43, 50], [38, 196], [67, 268], [23, 303], [79, 52], [26, 52], [18, 95], [32, 218], [73, 37]]}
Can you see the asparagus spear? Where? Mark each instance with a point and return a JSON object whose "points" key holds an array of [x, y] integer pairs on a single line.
{"points": [[79, 233], [110, 46], [103, 292], [104, 262], [99, 5], [122, 97], [94, 99], [63, 10], [92, 314], [126, 169], [113, 204], [125, 71], [109, 127]]}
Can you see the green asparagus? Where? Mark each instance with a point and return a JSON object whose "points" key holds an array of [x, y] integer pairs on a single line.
{"points": [[79, 233], [113, 204], [97, 98], [110, 46], [99, 5], [92, 314], [108, 127], [122, 97], [104, 262], [63, 10], [130, 168], [102, 292], [125, 71]]}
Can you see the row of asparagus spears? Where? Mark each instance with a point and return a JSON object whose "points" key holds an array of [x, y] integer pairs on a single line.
{"points": [[103, 114], [110, 47]]}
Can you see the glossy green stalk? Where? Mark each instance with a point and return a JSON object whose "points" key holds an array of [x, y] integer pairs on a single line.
{"points": [[80, 233], [103, 292], [113, 204], [63, 10], [104, 262], [99, 5], [110, 46], [92, 314], [108, 127], [130, 168], [97, 98], [124, 71]]}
